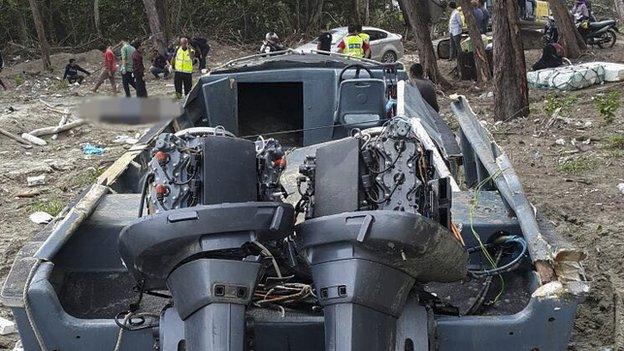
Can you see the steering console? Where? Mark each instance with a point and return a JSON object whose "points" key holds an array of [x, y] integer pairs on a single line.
{"points": [[358, 67]]}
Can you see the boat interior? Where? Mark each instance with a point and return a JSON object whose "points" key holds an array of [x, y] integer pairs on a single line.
{"points": [[303, 101]]}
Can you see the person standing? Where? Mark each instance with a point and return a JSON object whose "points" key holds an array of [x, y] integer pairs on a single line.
{"points": [[580, 10], [138, 70], [202, 48], [366, 39], [425, 86], [127, 79], [183, 68], [324, 42], [71, 72], [521, 8], [353, 45], [455, 30], [1, 67], [478, 14], [483, 26], [109, 66]]}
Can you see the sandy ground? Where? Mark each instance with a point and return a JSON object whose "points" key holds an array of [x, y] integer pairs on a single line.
{"points": [[583, 202]]}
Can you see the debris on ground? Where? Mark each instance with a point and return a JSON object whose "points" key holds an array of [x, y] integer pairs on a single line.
{"points": [[125, 139], [621, 187], [41, 217], [17, 138], [89, 149], [28, 193], [36, 181], [18, 346], [33, 139], [7, 327]]}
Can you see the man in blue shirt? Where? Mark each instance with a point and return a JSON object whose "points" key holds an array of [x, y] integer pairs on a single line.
{"points": [[455, 30], [478, 13]]}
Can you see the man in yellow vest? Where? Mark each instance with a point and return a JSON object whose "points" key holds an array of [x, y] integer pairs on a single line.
{"points": [[366, 39], [182, 64], [353, 45]]}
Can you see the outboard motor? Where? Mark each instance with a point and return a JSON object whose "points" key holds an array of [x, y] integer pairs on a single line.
{"points": [[214, 202], [378, 222]]}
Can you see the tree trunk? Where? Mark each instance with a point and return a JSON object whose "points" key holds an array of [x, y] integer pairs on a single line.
{"points": [[481, 61], [155, 23], [357, 18], [619, 8], [43, 41], [511, 93], [316, 10], [416, 12], [569, 36], [96, 17]]}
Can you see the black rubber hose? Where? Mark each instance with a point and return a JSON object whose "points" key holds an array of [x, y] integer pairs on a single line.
{"points": [[144, 192], [507, 267]]}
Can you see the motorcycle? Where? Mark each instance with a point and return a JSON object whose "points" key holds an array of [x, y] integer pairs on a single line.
{"points": [[601, 33]]}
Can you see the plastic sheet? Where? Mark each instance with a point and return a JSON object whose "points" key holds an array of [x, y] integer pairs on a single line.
{"points": [[576, 76]]}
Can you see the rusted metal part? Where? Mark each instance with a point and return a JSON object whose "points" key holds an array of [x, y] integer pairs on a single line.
{"points": [[543, 251], [72, 220]]}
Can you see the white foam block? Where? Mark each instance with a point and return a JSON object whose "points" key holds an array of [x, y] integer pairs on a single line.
{"points": [[614, 72], [7, 327]]}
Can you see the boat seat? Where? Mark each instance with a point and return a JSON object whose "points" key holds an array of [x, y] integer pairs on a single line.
{"points": [[361, 102], [601, 24]]}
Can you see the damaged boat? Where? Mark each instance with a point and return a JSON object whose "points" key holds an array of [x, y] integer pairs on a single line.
{"points": [[301, 202]]}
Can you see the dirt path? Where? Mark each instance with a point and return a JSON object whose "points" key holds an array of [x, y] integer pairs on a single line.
{"points": [[574, 184]]}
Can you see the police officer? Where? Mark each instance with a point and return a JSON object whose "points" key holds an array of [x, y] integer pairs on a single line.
{"points": [[366, 39], [183, 66], [353, 44]]}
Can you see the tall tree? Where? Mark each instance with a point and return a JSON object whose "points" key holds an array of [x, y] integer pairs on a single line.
{"points": [[619, 8], [570, 38], [511, 93], [96, 17], [418, 15], [41, 35], [156, 25], [481, 61]]}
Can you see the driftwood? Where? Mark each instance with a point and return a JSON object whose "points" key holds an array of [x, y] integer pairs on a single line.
{"points": [[15, 137], [53, 108], [33, 139], [58, 129], [60, 124]]}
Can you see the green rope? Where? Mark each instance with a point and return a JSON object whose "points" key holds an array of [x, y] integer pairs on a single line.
{"points": [[471, 213]]}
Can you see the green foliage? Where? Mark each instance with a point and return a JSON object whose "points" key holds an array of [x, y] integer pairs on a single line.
{"points": [[553, 102], [71, 22], [52, 206], [576, 166], [63, 84], [18, 80], [614, 142], [608, 105], [89, 177]]}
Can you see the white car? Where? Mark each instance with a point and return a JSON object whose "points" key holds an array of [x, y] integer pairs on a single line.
{"points": [[385, 46]]}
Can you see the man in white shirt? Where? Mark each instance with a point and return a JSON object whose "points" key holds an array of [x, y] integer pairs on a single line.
{"points": [[455, 30]]}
